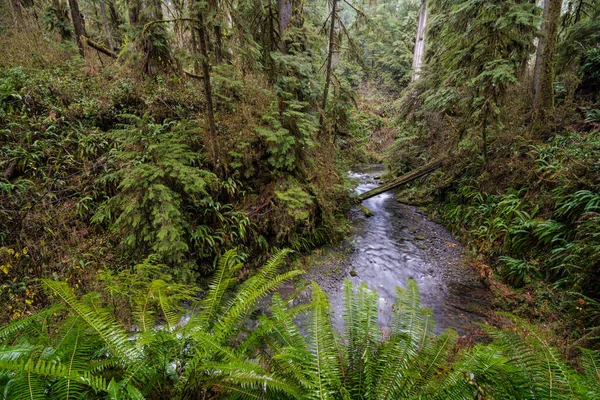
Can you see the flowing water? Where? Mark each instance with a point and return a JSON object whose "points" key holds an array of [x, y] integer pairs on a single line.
{"points": [[396, 244]]}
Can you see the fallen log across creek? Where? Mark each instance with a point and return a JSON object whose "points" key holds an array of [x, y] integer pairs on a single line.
{"points": [[401, 180]]}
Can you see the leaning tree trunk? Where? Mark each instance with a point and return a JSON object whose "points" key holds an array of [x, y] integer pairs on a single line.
{"points": [[78, 26], [329, 60], [419, 42], [543, 74], [207, 89], [111, 44]]}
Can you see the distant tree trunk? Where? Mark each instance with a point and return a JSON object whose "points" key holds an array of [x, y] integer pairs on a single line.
{"points": [[218, 43], [207, 89], [13, 12], [543, 74], [329, 60], [195, 51], [419, 42], [77, 25], [284, 8], [115, 18], [111, 44], [135, 7], [62, 15]]}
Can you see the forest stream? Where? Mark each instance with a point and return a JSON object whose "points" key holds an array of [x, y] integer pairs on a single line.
{"points": [[397, 243]]}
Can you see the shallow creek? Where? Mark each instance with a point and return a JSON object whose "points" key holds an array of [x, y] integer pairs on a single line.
{"points": [[397, 243]]}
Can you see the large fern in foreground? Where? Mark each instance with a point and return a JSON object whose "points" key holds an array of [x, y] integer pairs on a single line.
{"points": [[79, 350], [406, 362]]}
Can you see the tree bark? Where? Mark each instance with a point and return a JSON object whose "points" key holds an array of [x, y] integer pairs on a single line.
{"points": [[284, 9], [218, 43], [543, 74], [78, 26], [62, 15], [111, 44], [207, 88], [135, 8], [329, 60], [100, 48], [419, 42], [402, 180]]}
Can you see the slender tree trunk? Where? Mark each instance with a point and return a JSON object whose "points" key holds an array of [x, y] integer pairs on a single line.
{"points": [[419, 42], [111, 44], [195, 51], [207, 89], [218, 43], [62, 15], [329, 60], [484, 135], [77, 25], [17, 8], [135, 8], [284, 8], [115, 18], [543, 74]]}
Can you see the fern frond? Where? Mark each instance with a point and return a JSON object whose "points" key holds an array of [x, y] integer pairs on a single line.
{"points": [[543, 372], [20, 325], [411, 326], [223, 279], [54, 369], [362, 335], [249, 377], [325, 371], [110, 332], [246, 299]]}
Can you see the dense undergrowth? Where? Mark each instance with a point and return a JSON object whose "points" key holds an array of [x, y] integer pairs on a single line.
{"points": [[133, 164], [102, 168], [524, 198]]}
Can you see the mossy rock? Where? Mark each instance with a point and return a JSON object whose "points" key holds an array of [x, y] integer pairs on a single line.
{"points": [[368, 213]]}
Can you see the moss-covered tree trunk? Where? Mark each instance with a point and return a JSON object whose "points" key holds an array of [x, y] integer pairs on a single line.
{"points": [[330, 51], [62, 16], [543, 74], [111, 43], [206, 80], [284, 9], [78, 26], [419, 42]]}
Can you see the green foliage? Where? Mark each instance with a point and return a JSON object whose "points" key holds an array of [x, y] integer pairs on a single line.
{"points": [[296, 200], [11, 83], [384, 33], [477, 51], [408, 362], [165, 202], [517, 272], [547, 230], [83, 352], [280, 144]]}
